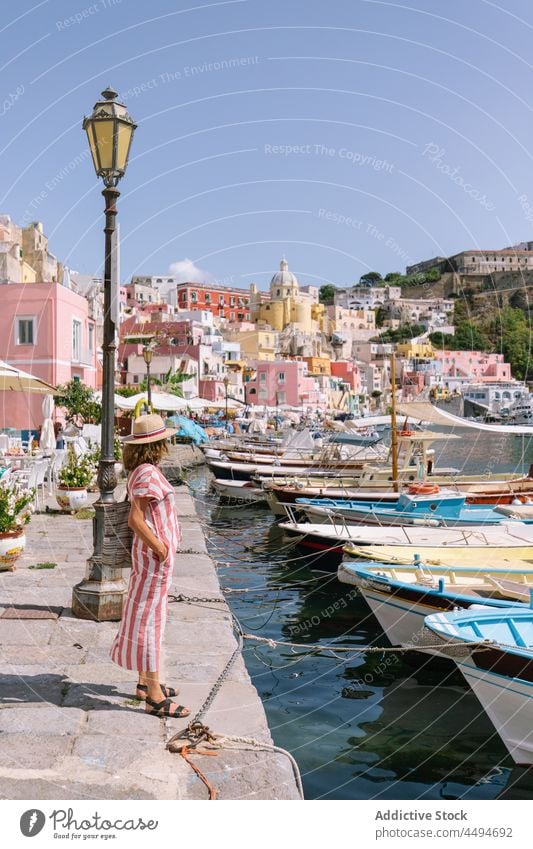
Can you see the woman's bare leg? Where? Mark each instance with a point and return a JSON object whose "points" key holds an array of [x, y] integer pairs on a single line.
{"points": [[151, 679]]}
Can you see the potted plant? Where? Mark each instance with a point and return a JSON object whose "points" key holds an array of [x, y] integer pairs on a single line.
{"points": [[16, 507], [74, 479]]}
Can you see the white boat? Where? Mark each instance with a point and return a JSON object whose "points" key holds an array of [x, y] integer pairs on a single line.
{"points": [[510, 543], [500, 673], [400, 597], [239, 492]]}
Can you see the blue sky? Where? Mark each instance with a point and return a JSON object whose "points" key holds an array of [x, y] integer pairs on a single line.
{"points": [[349, 135]]}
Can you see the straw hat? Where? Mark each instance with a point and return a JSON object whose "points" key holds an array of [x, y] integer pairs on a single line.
{"points": [[150, 428]]}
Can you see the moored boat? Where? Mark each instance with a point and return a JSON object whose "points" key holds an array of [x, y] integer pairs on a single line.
{"points": [[239, 492], [401, 596], [509, 544], [439, 508], [287, 490], [500, 672]]}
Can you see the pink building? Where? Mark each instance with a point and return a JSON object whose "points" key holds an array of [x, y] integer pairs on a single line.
{"points": [[348, 372], [474, 365], [282, 382], [46, 330]]}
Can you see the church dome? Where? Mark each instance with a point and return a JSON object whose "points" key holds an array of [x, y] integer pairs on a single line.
{"points": [[284, 278]]}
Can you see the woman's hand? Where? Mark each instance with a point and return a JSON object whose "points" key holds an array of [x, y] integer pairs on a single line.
{"points": [[162, 551]]}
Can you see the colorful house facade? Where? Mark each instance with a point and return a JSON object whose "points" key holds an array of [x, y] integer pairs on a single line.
{"points": [[45, 329]]}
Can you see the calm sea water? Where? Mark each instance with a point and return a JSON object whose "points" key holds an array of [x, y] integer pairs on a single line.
{"points": [[374, 726]]}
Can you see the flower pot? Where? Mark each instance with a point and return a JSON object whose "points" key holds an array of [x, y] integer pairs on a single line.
{"points": [[71, 498], [12, 544]]}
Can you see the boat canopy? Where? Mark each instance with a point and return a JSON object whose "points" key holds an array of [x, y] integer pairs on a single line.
{"points": [[347, 438], [424, 411]]}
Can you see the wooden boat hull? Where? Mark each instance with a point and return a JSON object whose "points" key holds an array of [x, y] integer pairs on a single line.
{"points": [[509, 546], [386, 515], [239, 492], [278, 495], [400, 603], [515, 558], [500, 675]]}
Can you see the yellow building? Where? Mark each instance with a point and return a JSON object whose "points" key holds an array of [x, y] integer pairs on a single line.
{"points": [[318, 365], [415, 350], [255, 344], [287, 304]]}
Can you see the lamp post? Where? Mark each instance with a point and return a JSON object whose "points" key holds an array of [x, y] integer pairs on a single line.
{"points": [[226, 382], [109, 131], [147, 356]]}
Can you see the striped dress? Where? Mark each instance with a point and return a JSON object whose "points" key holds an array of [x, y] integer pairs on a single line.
{"points": [[137, 644]]}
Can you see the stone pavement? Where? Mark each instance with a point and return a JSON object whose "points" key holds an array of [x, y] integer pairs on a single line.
{"points": [[70, 727]]}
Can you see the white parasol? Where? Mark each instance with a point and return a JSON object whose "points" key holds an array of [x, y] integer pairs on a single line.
{"points": [[16, 380], [47, 441]]}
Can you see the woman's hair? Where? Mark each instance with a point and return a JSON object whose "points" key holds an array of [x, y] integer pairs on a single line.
{"points": [[149, 452]]}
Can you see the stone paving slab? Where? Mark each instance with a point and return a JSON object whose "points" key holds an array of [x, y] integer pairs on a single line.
{"points": [[70, 727]]}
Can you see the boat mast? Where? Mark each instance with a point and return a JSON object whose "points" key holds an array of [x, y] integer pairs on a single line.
{"points": [[394, 434]]}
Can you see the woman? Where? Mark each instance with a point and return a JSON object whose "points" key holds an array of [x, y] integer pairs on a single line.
{"points": [[156, 534]]}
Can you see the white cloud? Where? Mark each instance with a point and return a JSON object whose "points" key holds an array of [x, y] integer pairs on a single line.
{"points": [[185, 271]]}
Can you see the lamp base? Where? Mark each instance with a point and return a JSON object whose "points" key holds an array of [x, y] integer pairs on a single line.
{"points": [[100, 601]]}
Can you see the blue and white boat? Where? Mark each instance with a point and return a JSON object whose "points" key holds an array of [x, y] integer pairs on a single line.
{"points": [[437, 509], [400, 597], [500, 673]]}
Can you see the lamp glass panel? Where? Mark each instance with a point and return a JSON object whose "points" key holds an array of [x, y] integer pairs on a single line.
{"points": [[103, 132], [92, 145], [124, 135]]}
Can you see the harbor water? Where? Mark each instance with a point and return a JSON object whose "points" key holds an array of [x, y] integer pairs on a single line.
{"points": [[361, 726]]}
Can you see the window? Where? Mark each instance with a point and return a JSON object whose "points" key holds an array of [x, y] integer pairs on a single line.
{"points": [[232, 316], [278, 293], [135, 378], [184, 297], [232, 301], [281, 398], [240, 316], [262, 394], [247, 316], [194, 297], [76, 340], [281, 377], [221, 300], [262, 377], [91, 337], [208, 297], [25, 331]]}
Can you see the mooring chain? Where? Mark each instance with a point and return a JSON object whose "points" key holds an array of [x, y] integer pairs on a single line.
{"points": [[193, 599], [223, 675]]}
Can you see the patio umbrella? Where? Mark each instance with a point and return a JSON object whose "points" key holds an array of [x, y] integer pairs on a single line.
{"points": [[47, 441], [160, 401], [16, 380]]}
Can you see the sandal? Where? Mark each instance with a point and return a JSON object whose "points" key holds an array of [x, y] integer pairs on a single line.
{"points": [[163, 708], [167, 691]]}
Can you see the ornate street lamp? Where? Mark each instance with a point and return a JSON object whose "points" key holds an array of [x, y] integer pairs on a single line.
{"points": [[147, 356], [109, 131]]}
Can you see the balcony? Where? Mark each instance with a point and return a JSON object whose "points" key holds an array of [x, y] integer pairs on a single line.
{"points": [[85, 358]]}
